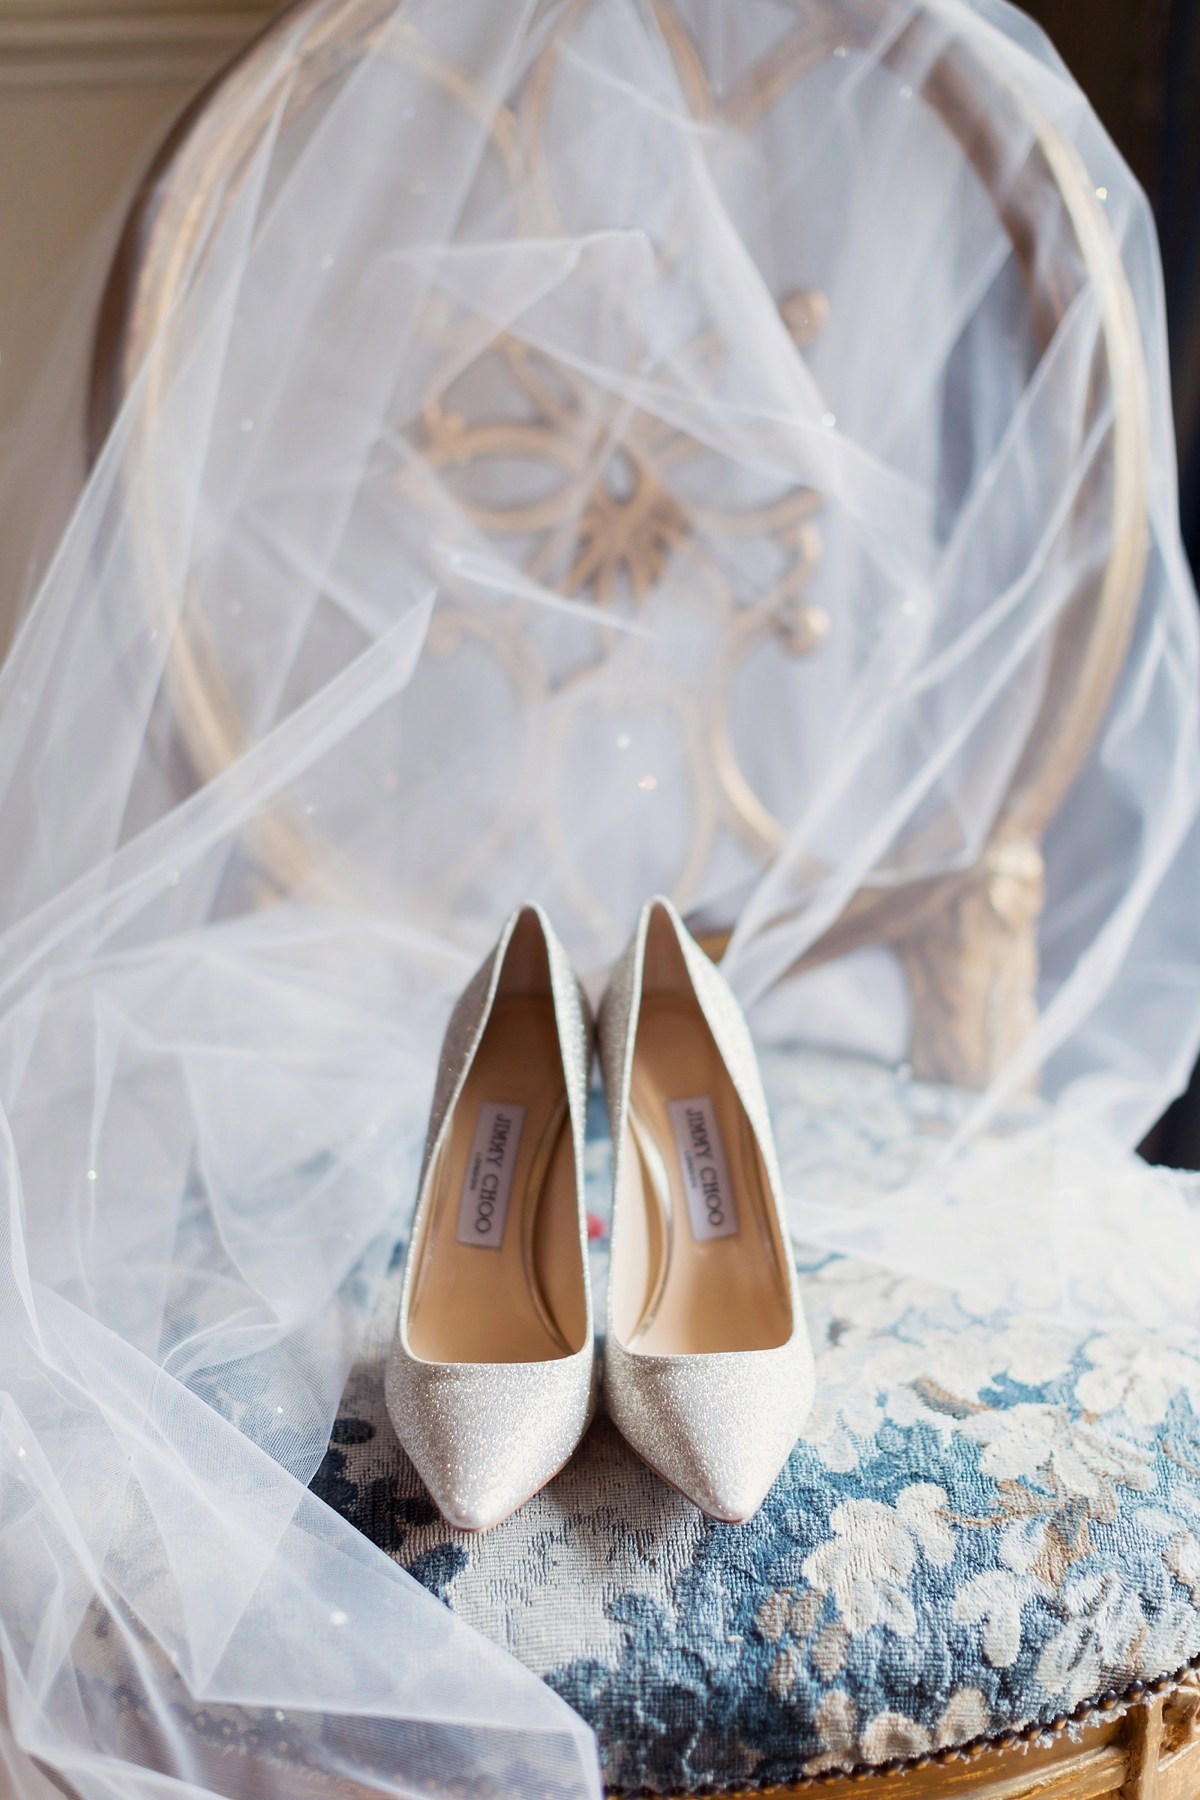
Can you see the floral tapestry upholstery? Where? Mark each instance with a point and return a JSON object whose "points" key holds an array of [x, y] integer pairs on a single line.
{"points": [[991, 1521]]}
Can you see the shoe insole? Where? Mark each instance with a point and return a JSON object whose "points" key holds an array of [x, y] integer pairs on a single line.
{"points": [[501, 1275], [697, 1261]]}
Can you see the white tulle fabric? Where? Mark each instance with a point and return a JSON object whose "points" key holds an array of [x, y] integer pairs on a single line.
{"points": [[222, 985]]}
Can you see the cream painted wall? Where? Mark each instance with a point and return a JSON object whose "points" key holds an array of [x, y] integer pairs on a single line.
{"points": [[87, 91]]}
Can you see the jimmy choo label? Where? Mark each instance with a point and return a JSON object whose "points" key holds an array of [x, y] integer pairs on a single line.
{"points": [[484, 1204], [711, 1208]]}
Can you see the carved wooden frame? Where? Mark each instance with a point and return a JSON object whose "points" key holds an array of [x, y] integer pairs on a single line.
{"points": [[968, 939], [1151, 1753]]}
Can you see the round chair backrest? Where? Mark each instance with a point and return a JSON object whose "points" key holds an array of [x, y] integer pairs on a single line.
{"points": [[967, 939]]}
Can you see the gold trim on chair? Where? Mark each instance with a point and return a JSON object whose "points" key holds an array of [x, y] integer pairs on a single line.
{"points": [[1151, 1753]]}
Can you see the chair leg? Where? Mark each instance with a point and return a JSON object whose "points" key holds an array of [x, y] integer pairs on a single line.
{"points": [[1144, 1736]]}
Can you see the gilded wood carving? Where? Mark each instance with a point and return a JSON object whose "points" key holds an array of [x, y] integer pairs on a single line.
{"points": [[967, 941]]}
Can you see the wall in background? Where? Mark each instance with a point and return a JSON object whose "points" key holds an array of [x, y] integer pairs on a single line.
{"points": [[88, 89]]}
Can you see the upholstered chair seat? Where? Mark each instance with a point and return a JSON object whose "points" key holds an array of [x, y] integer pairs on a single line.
{"points": [[987, 1537]]}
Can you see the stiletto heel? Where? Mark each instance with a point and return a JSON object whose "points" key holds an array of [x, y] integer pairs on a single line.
{"points": [[708, 1369]]}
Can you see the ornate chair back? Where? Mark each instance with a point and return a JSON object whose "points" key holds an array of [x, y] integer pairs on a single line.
{"points": [[967, 940]]}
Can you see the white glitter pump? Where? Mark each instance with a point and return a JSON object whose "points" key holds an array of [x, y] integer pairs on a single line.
{"points": [[491, 1380], [708, 1371]]}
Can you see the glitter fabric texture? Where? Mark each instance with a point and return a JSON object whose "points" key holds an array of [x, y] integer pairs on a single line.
{"points": [[719, 1426], [486, 1435]]}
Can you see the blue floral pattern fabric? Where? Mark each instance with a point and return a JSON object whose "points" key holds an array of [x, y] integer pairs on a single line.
{"points": [[990, 1521]]}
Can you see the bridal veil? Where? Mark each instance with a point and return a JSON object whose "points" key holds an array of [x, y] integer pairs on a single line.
{"points": [[585, 449]]}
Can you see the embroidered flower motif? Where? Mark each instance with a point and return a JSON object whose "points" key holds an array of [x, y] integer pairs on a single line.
{"points": [[893, 1734], [1182, 1558], [836, 1724], [845, 1413], [868, 1565], [1057, 1556], [1033, 1352], [1029, 1440], [893, 1348], [965, 1718], [1139, 1372], [786, 1670], [994, 1599], [788, 1609], [1181, 1552], [1105, 1624]]}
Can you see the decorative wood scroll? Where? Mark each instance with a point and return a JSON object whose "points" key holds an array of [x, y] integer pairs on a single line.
{"points": [[967, 940]]}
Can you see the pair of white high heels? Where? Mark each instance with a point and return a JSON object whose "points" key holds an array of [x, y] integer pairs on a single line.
{"points": [[707, 1369]]}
